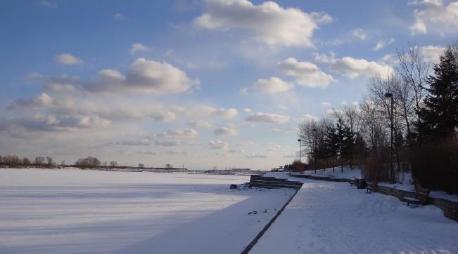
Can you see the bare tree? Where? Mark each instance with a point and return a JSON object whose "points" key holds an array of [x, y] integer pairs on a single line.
{"points": [[413, 71]]}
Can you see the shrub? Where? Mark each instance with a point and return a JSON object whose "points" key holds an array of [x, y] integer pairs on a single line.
{"points": [[377, 168], [299, 166]]}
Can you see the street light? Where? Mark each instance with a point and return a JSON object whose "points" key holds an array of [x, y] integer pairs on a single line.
{"points": [[389, 96], [314, 149], [300, 149]]}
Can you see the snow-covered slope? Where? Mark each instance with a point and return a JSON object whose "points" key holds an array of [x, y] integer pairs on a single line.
{"points": [[75, 211], [329, 217]]}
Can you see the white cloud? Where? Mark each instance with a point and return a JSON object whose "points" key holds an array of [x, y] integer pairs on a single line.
{"points": [[267, 118], [308, 118], [179, 134], [306, 74], [200, 124], [204, 111], [431, 53], [272, 85], [256, 156], [382, 44], [217, 144], [157, 77], [119, 16], [270, 23], [435, 16], [50, 122], [67, 59], [359, 33], [224, 131], [354, 67], [138, 47], [326, 104], [42, 100], [143, 76]]}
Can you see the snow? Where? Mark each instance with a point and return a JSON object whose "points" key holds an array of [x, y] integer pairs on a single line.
{"points": [[346, 172], [405, 181], [330, 217], [85, 211]]}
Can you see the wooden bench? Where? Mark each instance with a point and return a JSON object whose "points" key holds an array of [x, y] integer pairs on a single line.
{"points": [[421, 197], [371, 187]]}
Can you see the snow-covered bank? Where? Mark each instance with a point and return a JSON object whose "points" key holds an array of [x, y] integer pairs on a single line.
{"points": [[405, 180], [328, 217], [337, 172], [75, 211]]}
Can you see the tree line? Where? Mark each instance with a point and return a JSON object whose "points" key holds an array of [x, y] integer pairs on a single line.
{"points": [[407, 122]]}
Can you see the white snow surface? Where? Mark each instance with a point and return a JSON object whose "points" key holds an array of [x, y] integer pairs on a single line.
{"points": [[337, 172], [76, 211], [330, 217]]}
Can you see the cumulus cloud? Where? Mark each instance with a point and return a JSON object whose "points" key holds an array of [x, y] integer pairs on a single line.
{"points": [[382, 44], [268, 22], [50, 122], [137, 48], [41, 100], [217, 144], [179, 134], [200, 124], [354, 67], [225, 131], [359, 33], [306, 74], [431, 53], [119, 16], [157, 77], [204, 111], [67, 59], [256, 156], [143, 76], [435, 16], [272, 85], [267, 118]]}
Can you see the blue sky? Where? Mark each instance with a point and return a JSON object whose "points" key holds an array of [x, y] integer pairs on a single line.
{"points": [[220, 83]]}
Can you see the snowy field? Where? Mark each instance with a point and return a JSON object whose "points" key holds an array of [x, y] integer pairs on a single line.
{"points": [[75, 211], [329, 217]]}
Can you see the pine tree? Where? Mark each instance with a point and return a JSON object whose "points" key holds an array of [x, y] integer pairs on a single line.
{"points": [[439, 117]]}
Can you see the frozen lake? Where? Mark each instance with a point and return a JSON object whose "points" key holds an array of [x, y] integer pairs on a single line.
{"points": [[76, 211]]}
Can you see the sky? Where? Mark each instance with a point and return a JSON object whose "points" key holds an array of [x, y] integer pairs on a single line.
{"points": [[200, 84]]}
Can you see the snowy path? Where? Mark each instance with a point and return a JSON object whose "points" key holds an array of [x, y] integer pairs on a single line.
{"points": [[327, 217], [74, 211]]}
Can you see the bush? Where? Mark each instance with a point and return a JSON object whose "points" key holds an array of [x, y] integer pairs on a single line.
{"points": [[377, 168], [299, 166], [435, 166]]}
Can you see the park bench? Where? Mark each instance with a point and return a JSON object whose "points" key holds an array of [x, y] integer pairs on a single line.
{"points": [[421, 197], [371, 187], [359, 183]]}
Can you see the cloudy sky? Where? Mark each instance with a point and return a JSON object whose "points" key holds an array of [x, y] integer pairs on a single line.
{"points": [[197, 83]]}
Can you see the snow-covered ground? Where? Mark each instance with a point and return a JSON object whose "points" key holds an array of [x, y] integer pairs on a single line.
{"points": [[405, 181], [75, 211], [337, 172], [329, 217]]}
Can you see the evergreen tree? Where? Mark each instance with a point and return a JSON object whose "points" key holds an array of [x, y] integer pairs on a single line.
{"points": [[439, 117]]}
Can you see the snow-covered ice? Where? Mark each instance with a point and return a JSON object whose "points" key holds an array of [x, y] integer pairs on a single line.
{"points": [[76, 211], [330, 217]]}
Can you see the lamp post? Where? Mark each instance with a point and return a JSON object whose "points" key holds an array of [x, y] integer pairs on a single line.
{"points": [[389, 96], [300, 149], [314, 148]]}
